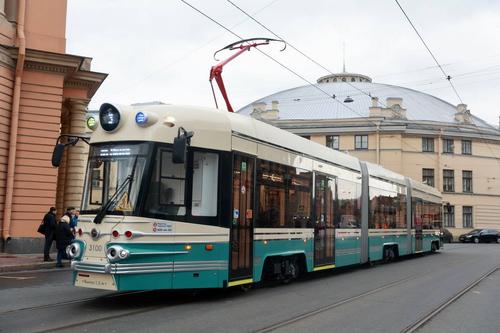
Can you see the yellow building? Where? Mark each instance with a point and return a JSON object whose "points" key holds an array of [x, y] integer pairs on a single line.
{"points": [[407, 131]]}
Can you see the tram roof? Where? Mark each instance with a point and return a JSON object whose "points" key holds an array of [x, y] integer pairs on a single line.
{"points": [[214, 130]]}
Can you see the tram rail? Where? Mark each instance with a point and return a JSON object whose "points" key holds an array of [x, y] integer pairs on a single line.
{"points": [[413, 327]]}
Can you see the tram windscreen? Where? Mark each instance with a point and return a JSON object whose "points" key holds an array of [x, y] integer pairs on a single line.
{"points": [[108, 167]]}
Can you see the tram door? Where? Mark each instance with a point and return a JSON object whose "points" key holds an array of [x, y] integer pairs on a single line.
{"points": [[417, 220], [324, 232], [241, 237]]}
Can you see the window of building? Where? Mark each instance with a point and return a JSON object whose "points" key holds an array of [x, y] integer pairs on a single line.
{"points": [[428, 144], [449, 216], [361, 141], [332, 141], [467, 216], [448, 181], [448, 146], [353, 79], [467, 181], [428, 176], [466, 147]]}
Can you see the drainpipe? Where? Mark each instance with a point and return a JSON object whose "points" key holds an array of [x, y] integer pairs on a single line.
{"points": [[378, 143], [14, 121]]}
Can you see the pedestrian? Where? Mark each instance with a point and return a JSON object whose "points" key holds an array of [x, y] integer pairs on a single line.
{"points": [[64, 237], [73, 218], [49, 226]]}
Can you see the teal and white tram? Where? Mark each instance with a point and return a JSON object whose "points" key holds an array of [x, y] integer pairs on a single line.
{"points": [[181, 197]]}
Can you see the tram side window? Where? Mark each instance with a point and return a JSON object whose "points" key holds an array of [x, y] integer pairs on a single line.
{"points": [[417, 213], [205, 180], [299, 198], [431, 215], [401, 211], [349, 203], [166, 193], [271, 186], [383, 209]]}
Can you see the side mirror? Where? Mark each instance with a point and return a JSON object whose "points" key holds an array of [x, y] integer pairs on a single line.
{"points": [[179, 150], [181, 142], [57, 154]]}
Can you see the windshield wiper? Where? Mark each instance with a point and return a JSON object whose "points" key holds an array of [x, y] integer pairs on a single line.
{"points": [[114, 198]]}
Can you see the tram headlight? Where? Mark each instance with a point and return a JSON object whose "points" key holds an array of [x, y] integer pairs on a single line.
{"points": [[123, 254], [109, 117], [116, 252], [73, 250]]}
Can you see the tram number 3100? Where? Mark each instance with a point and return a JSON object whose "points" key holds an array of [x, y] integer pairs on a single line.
{"points": [[94, 248]]}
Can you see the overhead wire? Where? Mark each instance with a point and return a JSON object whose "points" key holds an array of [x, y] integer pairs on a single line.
{"points": [[295, 48], [270, 57], [182, 57], [279, 63], [286, 67], [446, 76]]}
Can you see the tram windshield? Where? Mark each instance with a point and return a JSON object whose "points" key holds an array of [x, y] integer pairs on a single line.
{"points": [[111, 168]]}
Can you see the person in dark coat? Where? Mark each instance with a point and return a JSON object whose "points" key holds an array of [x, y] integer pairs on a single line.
{"points": [[49, 225], [64, 237]]}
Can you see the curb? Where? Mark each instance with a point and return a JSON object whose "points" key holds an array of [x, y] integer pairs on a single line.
{"points": [[29, 267]]}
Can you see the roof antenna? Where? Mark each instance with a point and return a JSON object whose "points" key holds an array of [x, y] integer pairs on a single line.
{"points": [[343, 60]]}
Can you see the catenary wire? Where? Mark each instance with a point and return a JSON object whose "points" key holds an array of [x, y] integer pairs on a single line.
{"points": [[446, 76], [279, 63], [282, 65], [270, 57], [296, 49]]}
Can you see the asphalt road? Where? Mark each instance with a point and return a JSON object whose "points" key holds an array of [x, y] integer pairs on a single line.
{"points": [[382, 298]]}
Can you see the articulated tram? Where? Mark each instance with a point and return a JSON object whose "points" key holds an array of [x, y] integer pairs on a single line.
{"points": [[181, 197]]}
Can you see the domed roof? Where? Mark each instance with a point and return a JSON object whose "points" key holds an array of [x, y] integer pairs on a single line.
{"points": [[325, 100]]}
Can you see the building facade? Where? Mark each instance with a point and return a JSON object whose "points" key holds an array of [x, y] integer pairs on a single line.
{"points": [[407, 131], [44, 92]]}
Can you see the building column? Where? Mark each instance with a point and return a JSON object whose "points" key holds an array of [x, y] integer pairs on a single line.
{"points": [[76, 155]]}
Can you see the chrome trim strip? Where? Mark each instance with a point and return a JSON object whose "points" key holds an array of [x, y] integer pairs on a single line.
{"points": [[141, 234], [157, 253], [160, 267]]}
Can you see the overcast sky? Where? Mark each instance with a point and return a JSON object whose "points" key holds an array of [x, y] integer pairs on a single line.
{"points": [[163, 50]]}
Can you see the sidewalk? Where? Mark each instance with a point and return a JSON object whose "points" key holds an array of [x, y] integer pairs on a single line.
{"points": [[25, 262]]}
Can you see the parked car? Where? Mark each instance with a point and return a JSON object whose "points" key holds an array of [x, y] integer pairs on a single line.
{"points": [[446, 236], [480, 236]]}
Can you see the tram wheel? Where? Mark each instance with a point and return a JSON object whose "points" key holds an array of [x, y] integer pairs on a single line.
{"points": [[389, 254], [433, 247]]}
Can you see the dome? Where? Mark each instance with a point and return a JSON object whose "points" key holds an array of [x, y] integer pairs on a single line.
{"points": [[325, 100]]}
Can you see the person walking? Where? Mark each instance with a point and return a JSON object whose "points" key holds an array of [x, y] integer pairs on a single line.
{"points": [[64, 237], [49, 225]]}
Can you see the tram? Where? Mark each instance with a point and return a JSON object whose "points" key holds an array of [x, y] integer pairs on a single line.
{"points": [[179, 197]]}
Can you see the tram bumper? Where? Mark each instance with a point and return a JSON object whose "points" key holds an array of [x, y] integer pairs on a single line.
{"points": [[148, 269]]}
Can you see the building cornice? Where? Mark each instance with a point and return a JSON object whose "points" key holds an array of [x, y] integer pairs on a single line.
{"points": [[369, 125], [73, 68]]}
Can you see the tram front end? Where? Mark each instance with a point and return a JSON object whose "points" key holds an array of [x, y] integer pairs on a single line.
{"points": [[151, 212]]}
